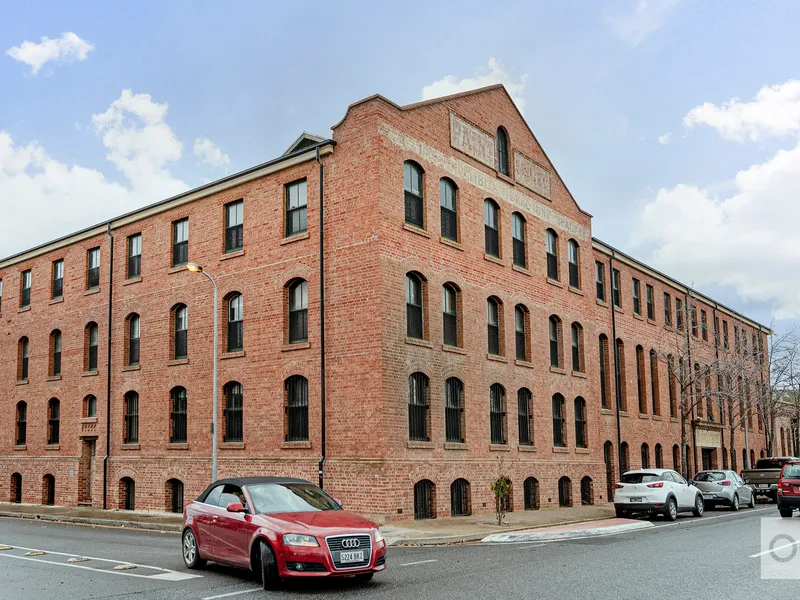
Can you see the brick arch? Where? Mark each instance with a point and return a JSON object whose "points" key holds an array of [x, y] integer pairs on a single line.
{"points": [[296, 272], [450, 371], [424, 471], [298, 367], [460, 283], [417, 365], [411, 263]]}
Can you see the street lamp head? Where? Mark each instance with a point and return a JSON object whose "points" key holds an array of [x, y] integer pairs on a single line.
{"points": [[194, 267]]}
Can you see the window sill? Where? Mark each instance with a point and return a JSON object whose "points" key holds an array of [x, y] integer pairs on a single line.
{"points": [[54, 378], [233, 254], [89, 374], [494, 259], [419, 445], [526, 448], [523, 363], [296, 346], [20, 448], [456, 446], [232, 445], [499, 448], [554, 282], [418, 342], [453, 349], [522, 270], [299, 445], [623, 413], [580, 374], [619, 310], [581, 451], [638, 317], [92, 291], [177, 268], [178, 446], [24, 309], [417, 230], [657, 418], [132, 280], [22, 382], [293, 238], [673, 419], [558, 370], [229, 355], [83, 420], [52, 447], [606, 411], [575, 290], [505, 178], [602, 303], [130, 368], [651, 321], [560, 450], [58, 300], [130, 446], [451, 243], [496, 358], [644, 416], [178, 361]]}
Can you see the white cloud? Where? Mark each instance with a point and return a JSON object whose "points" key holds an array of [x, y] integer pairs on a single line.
{"points": [[664, 139], [68, 48], [209, 153], [646, 18], [497, 73], [774, 112], [38, 189]]}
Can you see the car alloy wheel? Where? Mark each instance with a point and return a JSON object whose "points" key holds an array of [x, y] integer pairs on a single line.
{"points": [[699, 506], [191, 554], [269, 567], [672, 509], [752, 500], [735, 503]]}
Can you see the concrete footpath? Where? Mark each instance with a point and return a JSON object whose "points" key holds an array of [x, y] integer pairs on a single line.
{"points": [[94, 516]]}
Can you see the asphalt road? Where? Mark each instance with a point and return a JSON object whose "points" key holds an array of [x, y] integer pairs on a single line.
{"points": [[710, 557]]}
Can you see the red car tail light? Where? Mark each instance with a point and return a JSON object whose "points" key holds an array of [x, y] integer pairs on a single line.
{"points": [[657, 484], [726, 483], [620, 486]]}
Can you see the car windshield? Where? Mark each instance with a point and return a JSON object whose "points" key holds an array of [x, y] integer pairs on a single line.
{"points": [[710, 476], [639, 477], [792, 471], [290, 497]]}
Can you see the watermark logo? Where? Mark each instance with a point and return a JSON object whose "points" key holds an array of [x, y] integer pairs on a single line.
{"points": [[780, 548]]}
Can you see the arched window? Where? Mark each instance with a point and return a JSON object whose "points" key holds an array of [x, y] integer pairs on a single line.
{"points": [[552, 254], [660, 457], [564, 492], [48, 490], [454, 410], [608, 460], [655, 397], [502, 151], [521, 340], [53, 421], [641, 385], [577, 348], [752, 458], [180, 317], [424, 500], [22, 360], [450, 328], [174, 495], [412, 185], [234, 407], [414, 306], [531, 491], [491, 223], [604, 372], [55, 353], [587, 491], [449, 209], [91, 338], [89, 406], [16, 488], [555, 342], [559, 421], [622, 396], [497, 413], [493, 325], [581, 429], [460, 501], [298, 311], [296, 388], [574, 260], [418, 407], [22, 424], [130, 431], [673, 386], [624, 457], [132, 332], [645, 456], [127, 494], [518, 237], [676, 457], [525, 415], [235, 322], [177, 416]]}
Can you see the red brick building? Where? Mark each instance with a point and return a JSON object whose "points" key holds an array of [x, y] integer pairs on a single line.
{"points": [[468, 331]]}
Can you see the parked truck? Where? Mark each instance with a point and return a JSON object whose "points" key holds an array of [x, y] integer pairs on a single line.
{"points": [[763, 479]]}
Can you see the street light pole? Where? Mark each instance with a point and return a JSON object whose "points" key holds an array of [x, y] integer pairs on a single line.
{"points": [[195, 268]]}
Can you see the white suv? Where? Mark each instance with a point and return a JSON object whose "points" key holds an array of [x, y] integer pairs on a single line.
{"points": [[657, 491]]}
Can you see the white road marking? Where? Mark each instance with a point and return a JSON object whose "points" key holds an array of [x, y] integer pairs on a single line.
{"points": [[775, 549], [419, 562], [232, 594]]}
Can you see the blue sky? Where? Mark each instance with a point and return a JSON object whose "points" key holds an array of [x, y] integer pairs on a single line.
{"points": [[214, 90]]}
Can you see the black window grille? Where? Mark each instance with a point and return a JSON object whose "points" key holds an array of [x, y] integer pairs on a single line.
{"points": [[58, 279], [619, 355], [233, 412], [129, 493], [645, 456], [520, 337], [180, 242], [93, 269], [296, 207], [448, 209], [414, 325], [660, 458], [667, 310], [497, 413], [679, 314], [178, 416], [493, 326], [53, 421], [234, 226], [552, 254], [134, 256], [554, 345], [600, 280], [530, 488], [16, 488], [491, 226], [235, 323], [654, 398], [91, 359], [624, 457], [22, 423], [559, 419], [608, 459], [454, 410], [412, 184], [577, 363], [502, 151], [133, 340], [131, 416], [424, 500], [693, 316], [640, 383], [525, 417], [181, 332], [580, 423], [460, 505], [49, 490], [296, 408], [586, 491], [603, 353], [564, 492], [574, 273], [176, 493], [449, 315], [615, 289], [518, 239], [23, 367], [651, 306], [637, 308], [25, 296], [56, 353], [298, 312], [418, 407]]}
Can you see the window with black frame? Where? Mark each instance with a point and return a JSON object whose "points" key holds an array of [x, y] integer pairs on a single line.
{"points": [[616, 292], [493, 325], [525, 416], [91, 351], [604, 371], [637, 308], [296, 388], [296, 207], [90, 406], [55, 360], [298, 311], [414, 321], [577, 348], [58, 279], [53, 421], [600, 280], [497, 413], [559, 421], [448, 209], [651, 302], [551, 249], [177, 415], [573, 259], [235, 323], [502, 151], [491, 226], [412, 187], [234, 226], [180, 242], [449, 315], [580, 423], [135, 256], [181, 318], [234, 407], [130, 434], [93, 269], [418, 407], [22, 423], [25, 289], [520, 332], [134, 332], [23, 359], [518, 239], [454, 410], [554, 330]]}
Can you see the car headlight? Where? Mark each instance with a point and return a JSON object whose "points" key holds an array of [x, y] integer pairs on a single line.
{"points": [[294, 539], [377, 536]]}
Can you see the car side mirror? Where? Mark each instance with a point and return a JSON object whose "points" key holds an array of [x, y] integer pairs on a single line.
{"points": [[339, 502], [690, 482], [235, 507]]}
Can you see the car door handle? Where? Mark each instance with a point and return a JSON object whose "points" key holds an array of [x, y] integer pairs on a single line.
{"points": [[215, 518]]}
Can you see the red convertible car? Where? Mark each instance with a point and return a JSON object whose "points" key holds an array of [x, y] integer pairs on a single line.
{"points": [[280, 528]]}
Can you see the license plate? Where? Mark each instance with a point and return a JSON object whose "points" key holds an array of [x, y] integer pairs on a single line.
{"points": [[708, 497], [351, 557], [763, 485], [635, 499]]}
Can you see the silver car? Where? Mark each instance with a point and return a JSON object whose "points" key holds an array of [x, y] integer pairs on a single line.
{"points": [[724, 487]]}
